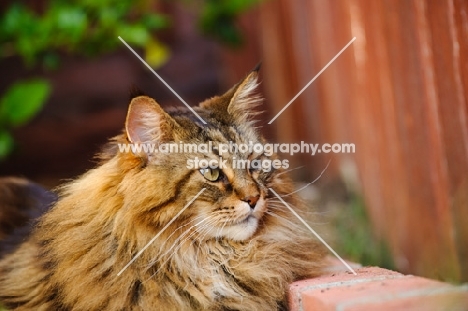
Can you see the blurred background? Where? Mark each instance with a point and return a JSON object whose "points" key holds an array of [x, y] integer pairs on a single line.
{"points": [[399, 93]]}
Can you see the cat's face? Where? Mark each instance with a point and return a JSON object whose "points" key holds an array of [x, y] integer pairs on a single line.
{"points": [[218, 157], [235, 192], [233, 202]]}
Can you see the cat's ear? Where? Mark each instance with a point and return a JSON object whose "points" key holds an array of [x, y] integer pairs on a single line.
{"points": [[148, 122], [240, 100], [245, 96]]}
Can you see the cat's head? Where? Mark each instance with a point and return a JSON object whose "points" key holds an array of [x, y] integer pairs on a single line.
{"points": [[183, 156]]}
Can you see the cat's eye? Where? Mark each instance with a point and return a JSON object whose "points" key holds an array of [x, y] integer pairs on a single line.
{"points": [[211, 174]]}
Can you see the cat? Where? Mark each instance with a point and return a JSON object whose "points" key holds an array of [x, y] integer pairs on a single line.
{"points": [[235, 247]]}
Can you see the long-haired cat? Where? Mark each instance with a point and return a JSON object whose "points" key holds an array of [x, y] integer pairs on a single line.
{"points": [[235, 247]]}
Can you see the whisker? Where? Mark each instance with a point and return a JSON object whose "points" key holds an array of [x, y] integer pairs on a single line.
{"points": [[202, 237], [179, 244], [302, 212], [225, 223], [282, 218], [290, 170], [308, 184], [180, 227], [152, 262], [182, 236]]}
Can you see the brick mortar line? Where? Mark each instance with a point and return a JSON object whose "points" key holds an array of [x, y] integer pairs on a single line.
{"points": [[341, 284], [425, 292]]}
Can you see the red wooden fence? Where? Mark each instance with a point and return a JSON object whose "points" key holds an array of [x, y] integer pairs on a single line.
{"points": [[399, 93]]}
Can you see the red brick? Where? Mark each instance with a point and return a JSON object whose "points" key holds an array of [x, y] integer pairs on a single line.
{"points": [[375, 289], [449, 298], [340, 278]]}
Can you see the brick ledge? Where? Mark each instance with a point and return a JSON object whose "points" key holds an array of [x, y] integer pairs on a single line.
{"points": [[374, 288]]}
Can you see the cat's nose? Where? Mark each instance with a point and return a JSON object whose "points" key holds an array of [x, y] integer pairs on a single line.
{"points": [[251, 200]]}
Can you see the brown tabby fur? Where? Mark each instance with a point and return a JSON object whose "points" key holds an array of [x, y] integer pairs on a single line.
{"points": [[205, 260]]}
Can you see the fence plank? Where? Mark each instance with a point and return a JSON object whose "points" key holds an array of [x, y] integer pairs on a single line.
{"points": [[400, 94]]}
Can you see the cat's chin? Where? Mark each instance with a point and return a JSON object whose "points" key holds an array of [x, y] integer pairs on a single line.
{"points": [[241, 231]]}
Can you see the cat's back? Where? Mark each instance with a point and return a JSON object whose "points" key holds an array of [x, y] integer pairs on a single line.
{"points": [[21, 203]]}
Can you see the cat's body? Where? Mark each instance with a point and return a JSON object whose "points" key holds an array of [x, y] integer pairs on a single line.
{"points": [[236, 247]]}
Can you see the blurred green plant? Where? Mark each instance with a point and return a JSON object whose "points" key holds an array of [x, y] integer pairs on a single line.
{"points": [[76, 27], [218, 19], [356, 239], [81, 27], [89, 28], [17, 106]]}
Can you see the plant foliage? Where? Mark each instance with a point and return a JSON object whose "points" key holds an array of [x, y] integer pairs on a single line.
{"points": [[88, 28]]}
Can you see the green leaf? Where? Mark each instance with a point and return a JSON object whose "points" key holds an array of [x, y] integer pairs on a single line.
{"points": [[239, 6], [6, 146], [71, 19], [26, 49], [133, 34], [108, 17], [69, 23], [23, 100], [15, 19], [155, 21]]}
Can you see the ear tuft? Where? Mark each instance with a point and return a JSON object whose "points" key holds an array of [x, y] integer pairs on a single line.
{"points": [[245, 98], [257, 67], [237, 105], [135, 91]]}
